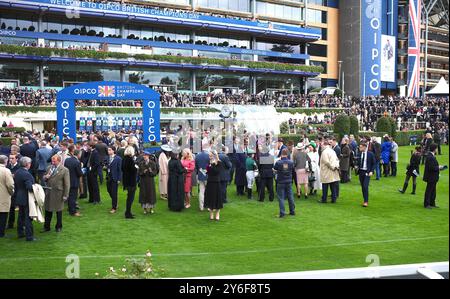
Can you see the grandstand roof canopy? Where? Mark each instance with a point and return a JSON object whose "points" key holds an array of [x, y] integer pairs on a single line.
{"points": [[440, 88], [439, 12]]}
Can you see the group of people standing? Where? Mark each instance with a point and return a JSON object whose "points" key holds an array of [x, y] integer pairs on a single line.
{"points": [[67, 171]]}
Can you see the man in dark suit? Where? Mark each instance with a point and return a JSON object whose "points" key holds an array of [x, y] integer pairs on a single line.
{"points": [[225, 173], [93, 166], [102, 150], [28, 149], [375, 148], [266, 162], [74, 166], [431, 176], [84, 158], [23, 182], [114, 176], [13, 165], [366, 166]]}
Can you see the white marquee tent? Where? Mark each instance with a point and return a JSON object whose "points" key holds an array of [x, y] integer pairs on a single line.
{"points": [[440, 88]]}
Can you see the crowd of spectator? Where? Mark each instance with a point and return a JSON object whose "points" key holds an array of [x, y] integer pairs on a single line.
{"points": [[408, 111]]}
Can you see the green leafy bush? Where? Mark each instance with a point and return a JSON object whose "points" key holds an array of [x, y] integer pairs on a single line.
{"points": [[354, 125], [49, 52], [342, 125], [384, 125]]}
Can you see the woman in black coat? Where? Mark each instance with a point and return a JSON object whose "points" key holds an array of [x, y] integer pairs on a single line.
{"points": [[213, 194], [148, 169], [176, 184], [412, 170], [129, 171]]}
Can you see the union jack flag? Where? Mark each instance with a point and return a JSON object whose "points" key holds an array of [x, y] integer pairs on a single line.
{"points": [[415, 14], [106, 91]]}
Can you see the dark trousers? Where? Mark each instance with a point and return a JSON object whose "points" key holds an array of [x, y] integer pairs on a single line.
{"points": [[130, 198], [3, 220], [266, 183], [344, 176], [240, 189], [439, 148], [24, 223], [223, 190], [394, 168], [41, 174], [72, 200], [100, 174], [112, 187], [430, 195], [84, 192], [408, 177], [333, 191], [48, 220], [386, 169], [12, 215], [94, 193], [364, 180]]}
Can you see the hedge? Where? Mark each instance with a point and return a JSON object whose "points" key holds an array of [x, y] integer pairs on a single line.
{"points": [[384, 125], [309, 111], [404, 136], [14, 130], [354, 125], [50, 52], [342, 125], [6, 140], [111, 110]]}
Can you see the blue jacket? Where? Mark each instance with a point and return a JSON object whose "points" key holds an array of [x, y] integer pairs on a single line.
{"points": [[115, 169], [43, 155], [202, 161], [23, 182], [281, 149], [371, 161], [284, 168], [74, 167], [386, 152], [225, 171]]}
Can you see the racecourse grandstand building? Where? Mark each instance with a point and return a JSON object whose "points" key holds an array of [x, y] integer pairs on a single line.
{"points": [[248, 46]]}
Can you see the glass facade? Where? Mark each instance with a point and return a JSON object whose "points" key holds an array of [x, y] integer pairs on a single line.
{"points": [[316, 16], [26, 73], [56, 74], [234, 5], [222, 41], [18, 21], [278, 84], [279, 11], [181, 79], [206, 81], [277, 47]]}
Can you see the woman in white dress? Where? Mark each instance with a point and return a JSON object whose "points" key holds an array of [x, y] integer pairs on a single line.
{"points": [[315, 171]]}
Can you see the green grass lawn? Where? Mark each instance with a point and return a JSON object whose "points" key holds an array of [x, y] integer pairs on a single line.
{"points": [[249, 238]]}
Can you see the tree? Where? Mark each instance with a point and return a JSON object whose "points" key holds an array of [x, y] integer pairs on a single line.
{"points": [[354, 125], [342, 125], [384, 125], [393, 131]]}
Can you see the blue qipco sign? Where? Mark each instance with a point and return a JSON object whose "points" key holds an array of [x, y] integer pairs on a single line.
{"points": [[108, 90], [370, 47]]}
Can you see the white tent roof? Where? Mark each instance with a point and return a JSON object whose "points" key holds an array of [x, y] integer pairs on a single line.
{"points": [[440, 88]]}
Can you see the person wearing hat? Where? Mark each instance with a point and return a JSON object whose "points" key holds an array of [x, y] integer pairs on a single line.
{"points": [[176, 182], [314, 179], [302, 164], [147, 170], [163, 162], [250, 166]]}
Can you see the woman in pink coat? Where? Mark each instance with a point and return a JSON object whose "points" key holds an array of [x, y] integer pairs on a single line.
{"points": [[188, 163]]}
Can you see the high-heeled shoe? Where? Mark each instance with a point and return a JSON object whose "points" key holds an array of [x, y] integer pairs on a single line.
{"points": [[217, 217]]}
